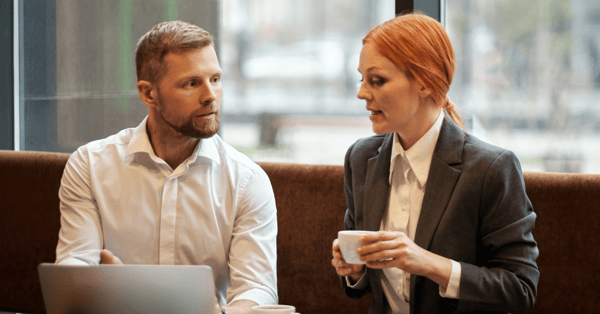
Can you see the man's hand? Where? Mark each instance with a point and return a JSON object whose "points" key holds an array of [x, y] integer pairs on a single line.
{"points": [[107, 257], [352, 271], [240, 307]]}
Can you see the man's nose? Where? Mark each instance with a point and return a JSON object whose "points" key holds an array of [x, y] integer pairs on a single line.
{"points": [[208, 94]]}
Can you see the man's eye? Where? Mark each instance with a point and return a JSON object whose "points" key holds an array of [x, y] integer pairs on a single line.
{"points": [[216, 79], [190, 84]]}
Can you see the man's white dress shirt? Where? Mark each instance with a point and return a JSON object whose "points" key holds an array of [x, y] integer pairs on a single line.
{"points": [[216, 208], [408, 177]]}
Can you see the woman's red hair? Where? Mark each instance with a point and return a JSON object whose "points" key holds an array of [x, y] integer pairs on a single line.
{"points": [[419, 44]]}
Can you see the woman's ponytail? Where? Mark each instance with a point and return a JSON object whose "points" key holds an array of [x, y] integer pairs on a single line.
{"points": [[451, 110]]}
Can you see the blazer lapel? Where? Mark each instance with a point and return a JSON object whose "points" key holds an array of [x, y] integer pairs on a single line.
{"points": [[440, 185], [440, 182], [377, 186]]}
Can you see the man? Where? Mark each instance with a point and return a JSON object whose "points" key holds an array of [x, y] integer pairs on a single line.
{"points": [[171, 191]]}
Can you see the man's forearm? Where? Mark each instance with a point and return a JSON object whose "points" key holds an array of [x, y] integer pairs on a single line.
{"points": [[240, 307]]}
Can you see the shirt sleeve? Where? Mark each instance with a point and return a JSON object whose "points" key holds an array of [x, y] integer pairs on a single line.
{"points": [[360, 284], [80, 237], [454, 282], [253, 250]]}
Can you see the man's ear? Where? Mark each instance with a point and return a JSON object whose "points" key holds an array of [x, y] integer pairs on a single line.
{"points": [[147, 93]]}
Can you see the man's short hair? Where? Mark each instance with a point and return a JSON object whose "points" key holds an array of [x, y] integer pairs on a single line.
{"points": [[173, 36]]}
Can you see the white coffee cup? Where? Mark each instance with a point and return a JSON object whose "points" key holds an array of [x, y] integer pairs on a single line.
{"points": [[349, 241], [273, 309]]}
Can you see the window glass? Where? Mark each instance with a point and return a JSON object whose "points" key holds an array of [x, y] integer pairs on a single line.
{"points": [[528, 78], [290, 77], [78, 69]]}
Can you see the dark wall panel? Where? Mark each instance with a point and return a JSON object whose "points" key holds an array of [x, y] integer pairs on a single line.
{"points": [[6, 76]]}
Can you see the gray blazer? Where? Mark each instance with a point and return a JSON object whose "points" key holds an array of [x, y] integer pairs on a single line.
{"points": [[475, 211]]}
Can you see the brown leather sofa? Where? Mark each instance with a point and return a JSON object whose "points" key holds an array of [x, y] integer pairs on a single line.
{"points": [[311, 205]]}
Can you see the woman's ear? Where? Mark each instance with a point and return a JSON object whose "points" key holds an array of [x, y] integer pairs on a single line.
{"points": [[424, 91], [147, 93]]}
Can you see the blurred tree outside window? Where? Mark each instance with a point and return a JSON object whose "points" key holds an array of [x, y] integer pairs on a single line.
{"points": [[290, 77], [528, 78]]}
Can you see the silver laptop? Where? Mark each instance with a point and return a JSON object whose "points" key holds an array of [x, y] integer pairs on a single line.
{"points": [[128, 289]]}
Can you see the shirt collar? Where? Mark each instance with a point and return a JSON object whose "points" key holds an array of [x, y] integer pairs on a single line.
{"points": [[207, 148], [140, 143], [420, 154]]}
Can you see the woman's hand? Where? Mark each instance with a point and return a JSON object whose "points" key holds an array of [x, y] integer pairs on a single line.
{"points": [[386, 249], [352, 271]]}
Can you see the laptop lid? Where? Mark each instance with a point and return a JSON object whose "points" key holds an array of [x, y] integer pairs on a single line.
{"points": [[150, 289]]}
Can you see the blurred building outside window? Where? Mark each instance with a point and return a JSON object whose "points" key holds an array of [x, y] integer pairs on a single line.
{"points": [[290, 77], [528, 78]]}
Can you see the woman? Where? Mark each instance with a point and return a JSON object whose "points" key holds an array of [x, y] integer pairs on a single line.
{"points": [[454, 223]]}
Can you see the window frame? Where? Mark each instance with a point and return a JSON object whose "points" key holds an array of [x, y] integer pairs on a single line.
{"points": [[7, 79], [433, 8]]}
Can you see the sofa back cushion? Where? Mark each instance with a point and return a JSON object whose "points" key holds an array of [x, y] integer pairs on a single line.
{"points": [[567, 231], [311, 205], [29, 224], [310, 209]]}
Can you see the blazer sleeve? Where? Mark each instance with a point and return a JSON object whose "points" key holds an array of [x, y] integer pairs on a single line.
{"points": [[506, 275], [350, 222]]}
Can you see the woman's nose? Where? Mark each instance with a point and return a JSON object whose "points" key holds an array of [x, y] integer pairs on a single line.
{"points": [[362, 92]]}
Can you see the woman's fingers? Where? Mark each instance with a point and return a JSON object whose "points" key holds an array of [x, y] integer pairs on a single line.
{"points": [[382, 255], [392, 242], [349, 269], [337, 259], [336, 245], [380, 264], [380, 236], [378, 247], [341, 267]]}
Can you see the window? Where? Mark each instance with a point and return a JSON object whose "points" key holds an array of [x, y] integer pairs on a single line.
{"points": [[290, 77], [78, 80], [528, 78]]}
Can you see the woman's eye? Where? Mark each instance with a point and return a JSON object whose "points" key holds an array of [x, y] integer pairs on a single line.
{"points": [[190, 84], [377, 81]]}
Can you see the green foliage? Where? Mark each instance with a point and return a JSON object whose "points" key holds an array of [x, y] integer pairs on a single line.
{"points": [[519, 21]]}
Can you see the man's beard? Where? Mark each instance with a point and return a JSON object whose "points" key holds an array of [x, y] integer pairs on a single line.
{"points": [[191, 128], [203, 129]]}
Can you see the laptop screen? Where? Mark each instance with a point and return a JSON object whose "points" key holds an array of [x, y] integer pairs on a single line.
{"points": [[128, 289]]}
